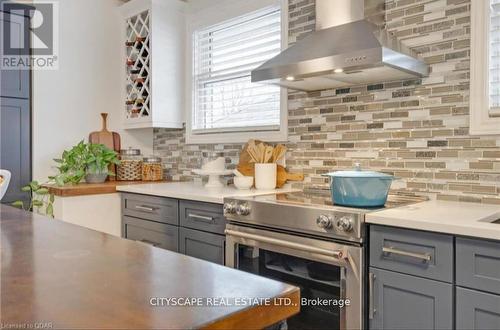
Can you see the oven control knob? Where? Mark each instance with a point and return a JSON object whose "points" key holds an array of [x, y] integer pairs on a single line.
{"points": [[345, 223], [230, 208], [243, 209], [324, 221]]}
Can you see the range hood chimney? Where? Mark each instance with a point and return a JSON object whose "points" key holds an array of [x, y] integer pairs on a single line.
{"points": [[350, 47]]}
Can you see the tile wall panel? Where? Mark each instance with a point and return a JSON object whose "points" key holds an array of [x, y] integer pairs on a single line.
{"points": [[416, 129]]}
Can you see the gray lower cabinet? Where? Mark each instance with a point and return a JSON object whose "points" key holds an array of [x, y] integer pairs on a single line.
{"points": [[408, 302], [189, 227], [417, 285], [153, 233], [477, 310], [202, 245]]}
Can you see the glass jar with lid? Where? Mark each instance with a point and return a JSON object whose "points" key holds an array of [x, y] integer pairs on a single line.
{"points": [[130, 168], [152, 169]]}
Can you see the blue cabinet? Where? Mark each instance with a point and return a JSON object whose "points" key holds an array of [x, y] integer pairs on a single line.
{"points": [[15, 82], [15, 110], [15, 145]]}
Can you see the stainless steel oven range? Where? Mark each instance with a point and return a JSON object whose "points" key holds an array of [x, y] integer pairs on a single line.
{"points": [[303, 239]]}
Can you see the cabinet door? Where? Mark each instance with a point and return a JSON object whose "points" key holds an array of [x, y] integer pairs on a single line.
{"points": [[16, 82], [202, 245], [152, 233], [15, 145], [477, 310], [408, 302]]}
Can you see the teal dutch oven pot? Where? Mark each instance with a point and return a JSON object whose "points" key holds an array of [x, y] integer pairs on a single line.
{"points": [[359, 188]]}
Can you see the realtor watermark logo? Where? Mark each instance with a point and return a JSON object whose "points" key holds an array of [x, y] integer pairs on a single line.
{"points": [[29, 44]]}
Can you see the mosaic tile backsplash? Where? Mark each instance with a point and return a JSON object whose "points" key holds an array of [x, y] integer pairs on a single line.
{"points": [[415, 129]]}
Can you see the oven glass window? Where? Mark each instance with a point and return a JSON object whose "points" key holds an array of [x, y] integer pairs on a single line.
{"points": [[316, 281]]}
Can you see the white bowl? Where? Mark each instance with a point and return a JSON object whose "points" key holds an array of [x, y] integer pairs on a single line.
{"points": [[243, 182]]}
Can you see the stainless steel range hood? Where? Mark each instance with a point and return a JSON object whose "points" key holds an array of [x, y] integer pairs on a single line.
{"points": [[350, 47]]}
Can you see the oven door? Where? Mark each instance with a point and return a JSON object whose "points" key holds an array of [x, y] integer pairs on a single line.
{"points": [[328, 273]]}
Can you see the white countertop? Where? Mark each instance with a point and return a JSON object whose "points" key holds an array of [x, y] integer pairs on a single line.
{"points": [[465, 219], [195, 191]]}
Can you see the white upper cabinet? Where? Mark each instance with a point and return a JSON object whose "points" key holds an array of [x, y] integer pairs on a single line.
{"points": [[154, 63], [485, 67]]}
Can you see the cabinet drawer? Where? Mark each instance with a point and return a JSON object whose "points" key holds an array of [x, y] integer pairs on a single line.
{"points": [[153, 208], [153, 233], [202, 245], [402, 301], [412, 252], [478, 264], [477, 310], [202, 216]]}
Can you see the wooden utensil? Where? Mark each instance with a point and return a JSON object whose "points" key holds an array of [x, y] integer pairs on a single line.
{"points": [[109, 139], [278, 152], [262, 151], [268, 154]]}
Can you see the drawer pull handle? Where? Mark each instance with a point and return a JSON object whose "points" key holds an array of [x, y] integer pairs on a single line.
{"points": [[148, 242], [200, 217], [390, 250], [145, 208]]}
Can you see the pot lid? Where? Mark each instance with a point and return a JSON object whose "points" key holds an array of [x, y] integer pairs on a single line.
{"points": [[130, 152], [358, 173], [151, 159]]}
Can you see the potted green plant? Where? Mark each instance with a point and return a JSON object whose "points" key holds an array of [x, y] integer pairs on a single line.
{"points": [[97, 160], [85, 160]]}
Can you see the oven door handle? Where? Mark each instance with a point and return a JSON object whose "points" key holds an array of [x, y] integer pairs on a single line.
{"points": [[338, 255]]}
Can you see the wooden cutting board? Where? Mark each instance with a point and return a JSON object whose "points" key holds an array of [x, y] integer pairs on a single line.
{"points": [[109, 139]]}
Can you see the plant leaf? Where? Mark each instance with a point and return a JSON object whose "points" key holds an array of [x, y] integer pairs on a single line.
{"points": [[37, 203], [19, 204], [34, 185], [42, 191], [51, 198], [26, 188]]}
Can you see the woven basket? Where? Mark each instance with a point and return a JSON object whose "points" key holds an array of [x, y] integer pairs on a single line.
{"points": [[129, 170]]}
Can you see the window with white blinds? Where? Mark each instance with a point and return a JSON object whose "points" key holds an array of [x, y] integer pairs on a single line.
{"points": [[494, 56], [224, 99]]}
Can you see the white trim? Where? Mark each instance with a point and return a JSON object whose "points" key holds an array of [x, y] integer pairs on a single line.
{"points": [[213, 15], [480, 121]]}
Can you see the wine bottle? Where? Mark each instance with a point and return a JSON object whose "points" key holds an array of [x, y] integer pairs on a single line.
{"points": [[138, 101]]}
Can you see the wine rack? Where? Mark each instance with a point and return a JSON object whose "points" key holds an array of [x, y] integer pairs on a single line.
{"points": [[154, 37], [138, 68]]}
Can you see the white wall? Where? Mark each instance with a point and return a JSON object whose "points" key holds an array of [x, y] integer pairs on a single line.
{"points": [[90, 80]]}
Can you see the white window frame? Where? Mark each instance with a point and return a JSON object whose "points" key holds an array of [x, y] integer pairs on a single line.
{"points": [[480, 121], [206, 17]]}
